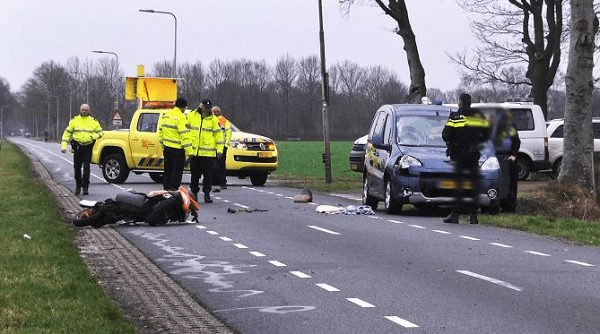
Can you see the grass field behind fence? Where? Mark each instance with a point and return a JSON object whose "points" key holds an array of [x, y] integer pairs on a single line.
{"points": [[303, 160]]}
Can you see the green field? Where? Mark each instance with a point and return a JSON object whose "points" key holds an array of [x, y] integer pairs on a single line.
{"points": [[302, 162]]}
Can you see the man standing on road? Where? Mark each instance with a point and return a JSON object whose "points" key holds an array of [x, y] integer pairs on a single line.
{"points": [[510, 203], [174, 138], [220, 174], [464, 133], [81, 133], [206, 147]]}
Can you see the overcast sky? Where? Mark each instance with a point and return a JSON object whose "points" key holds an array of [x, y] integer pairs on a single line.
{"points": [[35, 31]]}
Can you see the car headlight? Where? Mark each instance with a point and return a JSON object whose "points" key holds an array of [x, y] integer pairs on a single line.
{"points": [[407, 161], [238, 145], [490, 164]]}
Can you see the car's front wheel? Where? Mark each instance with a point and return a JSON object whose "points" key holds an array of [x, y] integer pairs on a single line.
{"points": [[258, 179], [391, 205], [114, 168], [366, 198], [523, 169]]}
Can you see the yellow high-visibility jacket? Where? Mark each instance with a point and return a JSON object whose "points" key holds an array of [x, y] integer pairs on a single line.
{"points": [[207, 136], [226, 128], [173, 131], [83, 129]]}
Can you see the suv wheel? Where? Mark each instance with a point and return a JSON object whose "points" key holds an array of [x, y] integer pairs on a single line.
{"points": [[391, 206], [556, 168], [366, 198], [258, 179], [523, 168]]}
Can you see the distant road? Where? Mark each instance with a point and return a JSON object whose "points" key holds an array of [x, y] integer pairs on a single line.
{"points": [[284, 268]]}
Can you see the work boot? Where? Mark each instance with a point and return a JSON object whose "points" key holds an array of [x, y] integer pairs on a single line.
{"points": [[473, 218], [77, 190], [85, 191], [207, 198], [452, 218]]}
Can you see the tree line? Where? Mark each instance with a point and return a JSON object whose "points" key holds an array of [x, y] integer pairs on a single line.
{"points": [[282, 101]]}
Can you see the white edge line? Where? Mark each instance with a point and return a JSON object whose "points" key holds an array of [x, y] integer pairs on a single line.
{"points": [[401, 322], [469, 238], [416, 226], [440, 231], [490, 279], [395, 221]]}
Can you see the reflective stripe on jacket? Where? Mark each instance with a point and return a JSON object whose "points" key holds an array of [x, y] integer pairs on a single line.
{"points": [[207, 135], [83, 129], [173, 131], [226, 128]]}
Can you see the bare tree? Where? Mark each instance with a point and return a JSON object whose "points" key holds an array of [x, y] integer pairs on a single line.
{"points": [[286, 74], [578, 164], [192, 85], [515, 33], [396, 9]]}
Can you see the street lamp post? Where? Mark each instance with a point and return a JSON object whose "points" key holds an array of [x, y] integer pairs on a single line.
{"points": [[2, 120], [70, 100], [152, 11], [325, 98], [57, 129], [116, 92]]}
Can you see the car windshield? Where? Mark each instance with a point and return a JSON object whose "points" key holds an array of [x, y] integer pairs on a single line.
{"points": [[420, 130]]}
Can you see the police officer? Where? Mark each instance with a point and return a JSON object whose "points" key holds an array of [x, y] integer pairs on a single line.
{"points": [[175, 139], [464, 133], [207, 138], [81, 133], [510, 203], [220, 174]]}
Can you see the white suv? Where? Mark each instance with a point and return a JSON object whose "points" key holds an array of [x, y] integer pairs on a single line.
{"points": [[555, 142], [529, 120]]}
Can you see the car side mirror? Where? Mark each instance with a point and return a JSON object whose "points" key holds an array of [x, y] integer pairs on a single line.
{"points": [[378, 143]]}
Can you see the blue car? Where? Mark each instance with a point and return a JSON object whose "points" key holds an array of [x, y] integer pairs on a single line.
{"points": [[406, 160]]}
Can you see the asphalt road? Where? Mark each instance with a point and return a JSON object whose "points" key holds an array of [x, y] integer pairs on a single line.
{"points": [[285, 268]]}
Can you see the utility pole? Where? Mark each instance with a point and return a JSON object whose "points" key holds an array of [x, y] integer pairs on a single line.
{"points": [[325, 98]]}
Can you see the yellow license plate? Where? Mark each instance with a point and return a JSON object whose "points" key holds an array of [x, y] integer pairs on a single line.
{"points": [[448, 184], [264, 154]]}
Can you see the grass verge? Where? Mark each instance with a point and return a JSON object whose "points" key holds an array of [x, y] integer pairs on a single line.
{"points": [[45, 287]]}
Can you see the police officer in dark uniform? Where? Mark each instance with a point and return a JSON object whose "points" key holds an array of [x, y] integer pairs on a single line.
{"points": [[464, 133], [509, 204]]}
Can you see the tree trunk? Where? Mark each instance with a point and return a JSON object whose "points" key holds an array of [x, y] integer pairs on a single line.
{"points": [[397, 10], [577, 165]]}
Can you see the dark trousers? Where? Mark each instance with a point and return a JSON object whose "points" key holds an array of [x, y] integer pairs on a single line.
{"points": [[220, 174], [174, 164], [81, 158], [202, 166], [511, 200], [467, 171]]}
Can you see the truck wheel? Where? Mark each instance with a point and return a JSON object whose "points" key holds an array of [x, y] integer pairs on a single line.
{"points": [[114, 168], [258, 179], [157, 177]]}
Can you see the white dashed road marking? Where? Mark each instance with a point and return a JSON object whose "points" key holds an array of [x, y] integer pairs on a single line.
{"points": [[323, 230], [300, 274], [328, 287], [580, 263], [490, 279], [257, 254], [537, 253], [500, 245], [401, 322], [360, 302], [277, 263]]}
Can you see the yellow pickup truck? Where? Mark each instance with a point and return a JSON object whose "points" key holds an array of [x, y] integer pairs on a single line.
{"points": [[137, 150]]}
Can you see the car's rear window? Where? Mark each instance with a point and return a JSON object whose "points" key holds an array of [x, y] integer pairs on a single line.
{"points": [[420, 130]]}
